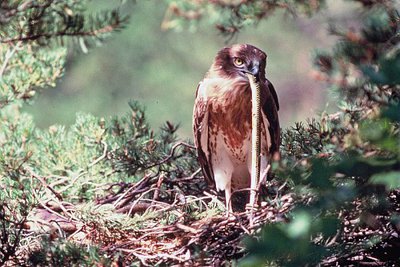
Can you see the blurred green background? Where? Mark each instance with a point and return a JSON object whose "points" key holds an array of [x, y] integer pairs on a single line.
{"points": [[161, 69]]}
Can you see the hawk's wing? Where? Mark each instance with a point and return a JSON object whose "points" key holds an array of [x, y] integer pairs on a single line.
{"points": [[270, 110], [201, 138]]}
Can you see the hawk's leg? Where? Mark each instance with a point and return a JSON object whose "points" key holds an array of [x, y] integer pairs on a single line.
{"points": [[223, 182], [264, 173], [228, 200]]}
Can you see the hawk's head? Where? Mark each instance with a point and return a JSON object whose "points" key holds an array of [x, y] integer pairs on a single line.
{"points": [[237, 60]]}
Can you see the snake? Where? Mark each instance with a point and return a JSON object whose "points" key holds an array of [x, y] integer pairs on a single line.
{"points": [[255, 137]]}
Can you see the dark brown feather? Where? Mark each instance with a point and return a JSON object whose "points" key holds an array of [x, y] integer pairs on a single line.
{"points": [[270, 109], [200, 126]]}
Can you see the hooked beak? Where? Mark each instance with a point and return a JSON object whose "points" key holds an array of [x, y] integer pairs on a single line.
{"points": [[254, 70]]}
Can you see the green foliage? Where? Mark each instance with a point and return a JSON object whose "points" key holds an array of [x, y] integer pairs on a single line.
{"points": [[388, 71], [389, 179], [75, 164], [291, 245], [229, 17], [31, 33], [48, 21], [65, 253], [26, 68], [371, 51], [26, 27], [12, 218], [137, 148]]}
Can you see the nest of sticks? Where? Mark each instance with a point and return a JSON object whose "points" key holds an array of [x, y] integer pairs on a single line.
{"points": [[159, 220]]}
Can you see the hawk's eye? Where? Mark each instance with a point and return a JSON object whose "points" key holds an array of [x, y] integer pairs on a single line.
{"points": [[238, 62]]}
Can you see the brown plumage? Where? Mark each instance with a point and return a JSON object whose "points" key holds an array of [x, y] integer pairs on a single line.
{"points": [[222, 118]]}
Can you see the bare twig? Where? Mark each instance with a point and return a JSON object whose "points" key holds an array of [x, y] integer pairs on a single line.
{"points": [[101, 157], [172, 153], [7, 58]]}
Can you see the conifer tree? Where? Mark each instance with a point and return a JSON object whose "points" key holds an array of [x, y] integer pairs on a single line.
{"points": [[43, 170]]}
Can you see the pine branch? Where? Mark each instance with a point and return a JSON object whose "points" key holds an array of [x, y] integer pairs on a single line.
{"points": [[36, 22], [95, 32]]}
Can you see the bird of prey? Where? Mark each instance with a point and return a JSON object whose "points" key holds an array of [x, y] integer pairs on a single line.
{"points": [[222, 119]]}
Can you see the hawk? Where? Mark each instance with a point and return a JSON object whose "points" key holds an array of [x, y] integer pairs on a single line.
{"points": [[222, 119]]}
